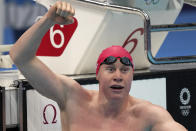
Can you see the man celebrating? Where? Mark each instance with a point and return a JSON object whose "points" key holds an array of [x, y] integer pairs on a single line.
{"points": [[109, 109]]}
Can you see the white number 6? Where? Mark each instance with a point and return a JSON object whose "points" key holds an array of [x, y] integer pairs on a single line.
{"points": [[53, 33]]}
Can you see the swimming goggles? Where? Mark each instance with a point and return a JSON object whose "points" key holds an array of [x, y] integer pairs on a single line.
{"points": [[111, 59]]}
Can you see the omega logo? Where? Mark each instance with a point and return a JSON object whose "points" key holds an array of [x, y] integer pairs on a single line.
{"points": [[44, 114]]}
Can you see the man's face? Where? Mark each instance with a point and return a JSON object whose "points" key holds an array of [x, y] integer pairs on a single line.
{"points": [[115, 80]]}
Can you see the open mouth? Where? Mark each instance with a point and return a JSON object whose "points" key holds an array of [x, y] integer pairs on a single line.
{"points": [[117, 87]]}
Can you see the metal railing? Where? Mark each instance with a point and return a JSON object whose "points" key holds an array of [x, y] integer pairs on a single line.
{"points": [[113, 7], [148, 29], [170, 28]]}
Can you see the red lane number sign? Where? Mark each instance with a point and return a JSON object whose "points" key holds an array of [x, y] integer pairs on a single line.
{"points": [[56, 39]]}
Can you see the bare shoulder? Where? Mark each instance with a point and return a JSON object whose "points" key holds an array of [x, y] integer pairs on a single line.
{"points": [[70, 84], [74, 90], [138, 106], [152, 113], [68, 81], [161, 120], [147, 109], [156, 117]]}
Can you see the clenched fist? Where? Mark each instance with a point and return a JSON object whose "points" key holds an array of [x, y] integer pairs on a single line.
{"points": [[61, 13]]}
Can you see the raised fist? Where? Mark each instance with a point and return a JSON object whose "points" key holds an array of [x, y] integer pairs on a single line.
{"points": [[61, 13]]}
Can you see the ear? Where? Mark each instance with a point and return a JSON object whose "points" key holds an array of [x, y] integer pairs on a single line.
{"points": [[98, 76]]}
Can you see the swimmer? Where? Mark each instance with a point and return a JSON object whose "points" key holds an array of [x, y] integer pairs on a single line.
{"points": [[109, 109]]}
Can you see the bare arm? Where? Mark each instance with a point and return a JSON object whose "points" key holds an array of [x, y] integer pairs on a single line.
{"points": [[168, 126], [23, 52], [163, 121]]}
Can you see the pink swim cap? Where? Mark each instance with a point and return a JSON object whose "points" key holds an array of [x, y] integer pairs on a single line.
{"points": [[116, 51]]}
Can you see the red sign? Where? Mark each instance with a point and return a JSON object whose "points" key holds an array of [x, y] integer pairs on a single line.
{"points": [[133, 41], [56, 39]]}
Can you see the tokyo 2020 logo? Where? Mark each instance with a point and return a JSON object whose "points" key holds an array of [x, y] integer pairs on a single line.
{"points": [[185, 97]]}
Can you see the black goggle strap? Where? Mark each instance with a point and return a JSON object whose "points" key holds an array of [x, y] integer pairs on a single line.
{"points": [[111, 59]]}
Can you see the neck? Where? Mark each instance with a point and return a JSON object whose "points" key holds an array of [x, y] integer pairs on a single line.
{"points": [[114, 107]]}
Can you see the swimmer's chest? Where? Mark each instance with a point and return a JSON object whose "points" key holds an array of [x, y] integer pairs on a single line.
{"points": [[92, 121]]}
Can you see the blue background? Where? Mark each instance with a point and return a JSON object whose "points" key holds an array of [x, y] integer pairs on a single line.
{"points": [[181, 43]]}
